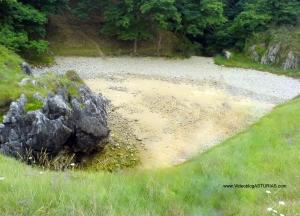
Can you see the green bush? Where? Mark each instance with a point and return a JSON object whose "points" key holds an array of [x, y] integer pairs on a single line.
{"points": [[186, 48], [11, 39], [23, 25]]}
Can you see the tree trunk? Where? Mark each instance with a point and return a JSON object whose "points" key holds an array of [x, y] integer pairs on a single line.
{"points": [[159, 43], [135, 46]]}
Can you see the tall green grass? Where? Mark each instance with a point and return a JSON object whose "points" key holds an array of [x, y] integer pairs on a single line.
{"points": [[268, 152]]}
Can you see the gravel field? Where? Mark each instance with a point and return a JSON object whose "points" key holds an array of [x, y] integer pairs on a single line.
{"points": [[259, 85]]}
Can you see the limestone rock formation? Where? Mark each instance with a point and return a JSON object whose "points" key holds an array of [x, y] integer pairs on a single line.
{"points": [[291, 61], [76, 123], [253, 53], [26, 68], [276, 54], [271, 56]]}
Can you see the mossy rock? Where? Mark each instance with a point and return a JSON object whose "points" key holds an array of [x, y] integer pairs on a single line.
{"points": [[276, 47]]}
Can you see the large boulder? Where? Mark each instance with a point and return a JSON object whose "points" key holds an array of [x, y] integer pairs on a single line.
{"points": [[77, 124]]}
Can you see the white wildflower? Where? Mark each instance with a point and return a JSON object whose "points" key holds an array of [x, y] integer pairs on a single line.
{"points": [[275, 211], [41, 172], [268, 192], [30, 158], [282, 215], [269, 209], [281, 203], [72, 164], [2, 178]]}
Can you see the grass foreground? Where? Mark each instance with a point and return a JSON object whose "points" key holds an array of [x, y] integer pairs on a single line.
{"points": [[266, 153]]}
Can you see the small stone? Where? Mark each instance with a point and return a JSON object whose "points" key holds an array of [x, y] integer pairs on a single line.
{"points": [[227, 54], [26, 68], [269, 209]]}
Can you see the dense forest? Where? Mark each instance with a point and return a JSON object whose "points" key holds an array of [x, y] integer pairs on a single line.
{"points": [[207, 25]]}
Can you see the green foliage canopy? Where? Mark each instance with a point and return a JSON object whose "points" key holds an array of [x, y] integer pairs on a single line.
{"points": [[22, 24], [214, 24]]}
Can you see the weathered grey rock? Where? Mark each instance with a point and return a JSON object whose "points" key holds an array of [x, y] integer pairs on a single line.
{"points": [[89, 115], [253, 53], [27, 81], [271, 55], [38, 96], [26, 68], [16, 110], [227, 54], [78, 124], [291, 62]]}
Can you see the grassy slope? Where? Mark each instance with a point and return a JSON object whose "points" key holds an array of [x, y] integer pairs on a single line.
{"points": [[268, 152], [10, 76]]}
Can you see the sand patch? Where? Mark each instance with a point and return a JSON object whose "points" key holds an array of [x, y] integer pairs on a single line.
{"points": [[177, 120]]}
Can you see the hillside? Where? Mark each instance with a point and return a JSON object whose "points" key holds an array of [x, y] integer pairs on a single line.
{"points": [[70, 37]]}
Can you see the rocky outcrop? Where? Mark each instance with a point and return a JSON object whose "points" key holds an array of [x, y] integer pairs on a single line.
{"points": [[253, 53], [276, 54], [27, 81], [291, 61], [76, 124], [278, 47], [271, 55]]}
